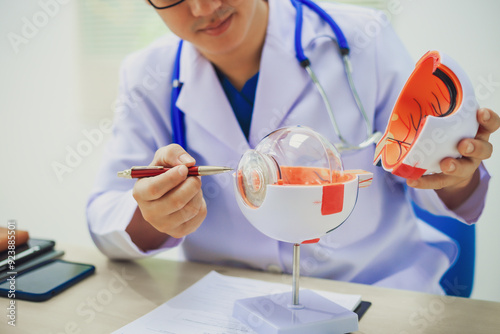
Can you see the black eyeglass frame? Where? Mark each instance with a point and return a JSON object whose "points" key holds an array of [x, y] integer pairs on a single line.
{"points": [[175, 4]]}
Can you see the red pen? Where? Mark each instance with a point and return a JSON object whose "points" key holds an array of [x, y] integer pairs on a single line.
{"points": [[137, 172]]}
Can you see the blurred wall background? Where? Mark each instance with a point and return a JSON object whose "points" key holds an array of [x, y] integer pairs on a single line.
{"points": [[59, 63]]}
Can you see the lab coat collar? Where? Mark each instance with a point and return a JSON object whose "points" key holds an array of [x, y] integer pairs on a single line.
{"points": [[203, 100]]}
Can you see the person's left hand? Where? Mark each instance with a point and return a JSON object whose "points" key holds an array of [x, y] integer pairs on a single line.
{"points": [[459, 174]]}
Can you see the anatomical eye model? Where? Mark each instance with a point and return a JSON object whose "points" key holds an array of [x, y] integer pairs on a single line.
{"points": [[434, 111], [293, 188]]}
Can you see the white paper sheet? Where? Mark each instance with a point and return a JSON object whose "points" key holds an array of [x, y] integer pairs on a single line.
{"points": [[206, 307]]}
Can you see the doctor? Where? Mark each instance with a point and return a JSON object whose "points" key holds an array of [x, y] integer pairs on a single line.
{"points": [[241, 80]]}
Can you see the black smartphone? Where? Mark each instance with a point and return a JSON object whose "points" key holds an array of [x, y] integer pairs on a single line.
{"points": [[24, 253], [44, 281]]}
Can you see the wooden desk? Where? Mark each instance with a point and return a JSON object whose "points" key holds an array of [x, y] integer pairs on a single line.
{"points": [[121, 292]]}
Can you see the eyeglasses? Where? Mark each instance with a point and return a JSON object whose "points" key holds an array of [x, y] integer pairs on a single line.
{"points": [[164, 4]]}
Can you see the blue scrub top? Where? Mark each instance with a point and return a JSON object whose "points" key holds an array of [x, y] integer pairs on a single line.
{"points": [[241, 101]]}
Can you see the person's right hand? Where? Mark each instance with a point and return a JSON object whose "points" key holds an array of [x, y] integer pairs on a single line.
{"points": [[172, 202]]}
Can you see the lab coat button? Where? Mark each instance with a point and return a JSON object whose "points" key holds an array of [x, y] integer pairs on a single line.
{"points": [[274, 268]]}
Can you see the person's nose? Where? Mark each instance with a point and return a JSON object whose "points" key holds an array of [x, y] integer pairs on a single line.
{"points": [[204, 7]]}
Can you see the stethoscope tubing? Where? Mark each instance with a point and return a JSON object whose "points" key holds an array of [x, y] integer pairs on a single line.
{"points": [[344, 52], [341, 40], [176, 115]]}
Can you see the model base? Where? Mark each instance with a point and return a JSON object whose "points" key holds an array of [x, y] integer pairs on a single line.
{"points": [[275, 314]]}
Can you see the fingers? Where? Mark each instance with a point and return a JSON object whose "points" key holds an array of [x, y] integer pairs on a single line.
{"points": [[480, 148], [190, 210], [455, 172], [489, 122], [177, 198], [434, 181], [458, 173], [172, 155], [189, 217], [171, 202], [180, 210], [475, 149], [152, 188]]}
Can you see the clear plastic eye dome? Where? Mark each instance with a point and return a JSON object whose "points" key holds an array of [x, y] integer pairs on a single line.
{"points": [[288, 156]]}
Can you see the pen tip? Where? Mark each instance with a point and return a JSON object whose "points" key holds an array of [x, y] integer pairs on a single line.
{"points": [[125, 174]]}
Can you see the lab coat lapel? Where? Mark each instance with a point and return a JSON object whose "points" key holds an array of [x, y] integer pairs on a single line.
{"points": [[282, 80], [203, 100]]}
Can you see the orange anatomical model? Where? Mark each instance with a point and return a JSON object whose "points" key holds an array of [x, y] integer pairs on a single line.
{"points": [[434, 111]]}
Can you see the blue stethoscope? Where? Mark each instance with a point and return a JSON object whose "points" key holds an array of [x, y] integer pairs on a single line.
{"points": [[177, 116]]}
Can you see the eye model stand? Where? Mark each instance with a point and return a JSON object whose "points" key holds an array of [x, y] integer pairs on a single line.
{"points": [[273, 314]]}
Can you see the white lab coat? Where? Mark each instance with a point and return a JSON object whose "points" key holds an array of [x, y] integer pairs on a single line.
{"points": [[381, 243]]}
